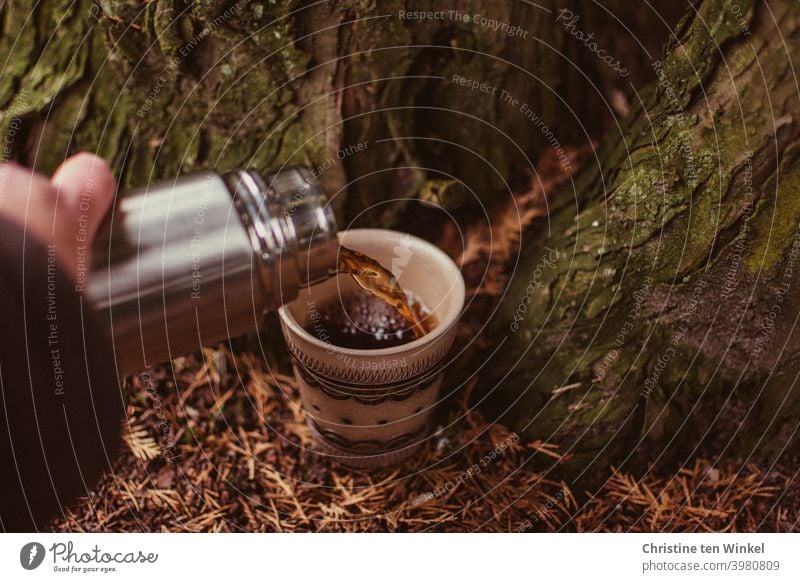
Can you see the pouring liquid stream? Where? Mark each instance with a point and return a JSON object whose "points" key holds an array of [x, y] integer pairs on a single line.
{"points": [[380, 282]]}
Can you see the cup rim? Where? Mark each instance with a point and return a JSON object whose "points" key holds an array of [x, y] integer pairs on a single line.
{"points": [[459, 288]]}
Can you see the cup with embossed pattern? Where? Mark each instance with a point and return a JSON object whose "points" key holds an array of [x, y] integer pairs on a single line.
{"points": [[373, 407]]}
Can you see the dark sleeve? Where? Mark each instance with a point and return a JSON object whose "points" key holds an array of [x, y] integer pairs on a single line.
{"points": [[60, 398]]}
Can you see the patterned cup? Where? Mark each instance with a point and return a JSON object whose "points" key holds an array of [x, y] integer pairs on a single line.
{"points": [[372, 407]]}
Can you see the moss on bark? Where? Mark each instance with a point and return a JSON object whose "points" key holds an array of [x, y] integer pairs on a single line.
{"points": [[165, 86], [690, 209]]}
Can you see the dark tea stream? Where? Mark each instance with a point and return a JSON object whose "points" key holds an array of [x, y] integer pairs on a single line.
{"points": [[379, 315]]}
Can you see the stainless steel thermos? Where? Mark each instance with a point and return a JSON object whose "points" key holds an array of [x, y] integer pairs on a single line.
{"points": [[187, 262]]}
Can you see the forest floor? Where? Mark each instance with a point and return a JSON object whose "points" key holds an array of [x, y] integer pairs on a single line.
{"points": [[217, 442], [242, 459]]}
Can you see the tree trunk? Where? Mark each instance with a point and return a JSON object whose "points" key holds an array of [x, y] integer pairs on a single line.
{"points": [[658, 302], [668, 254], [166, 86]]}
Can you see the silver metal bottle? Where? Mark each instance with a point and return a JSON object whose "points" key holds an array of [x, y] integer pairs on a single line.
{"points": [[191, 261]]}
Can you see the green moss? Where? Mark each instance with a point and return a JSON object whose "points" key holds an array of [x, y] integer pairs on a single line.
{"points": [[673, 195], [442, 193], [774, 223], [692, 58]]}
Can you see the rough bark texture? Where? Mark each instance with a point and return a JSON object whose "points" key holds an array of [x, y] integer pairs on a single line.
{"points": [[167, 86], [669, 315]]}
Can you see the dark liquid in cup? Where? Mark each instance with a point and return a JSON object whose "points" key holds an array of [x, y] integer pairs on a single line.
{"points": [[362, 321], [379, 315]]}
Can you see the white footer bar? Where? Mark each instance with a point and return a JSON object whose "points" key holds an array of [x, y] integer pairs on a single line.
{"points": [[395, 557]]}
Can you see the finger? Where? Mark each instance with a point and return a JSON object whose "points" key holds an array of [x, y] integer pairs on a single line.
{"points": [[29, 199], [87, 186]]}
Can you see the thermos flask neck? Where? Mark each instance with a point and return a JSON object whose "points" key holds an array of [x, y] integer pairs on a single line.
{"points": [[291, 227], [188, 262]]}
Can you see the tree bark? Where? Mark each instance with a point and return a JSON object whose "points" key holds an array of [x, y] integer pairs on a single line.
{"points": [[167, 86], [615, 343], [658, 302]]}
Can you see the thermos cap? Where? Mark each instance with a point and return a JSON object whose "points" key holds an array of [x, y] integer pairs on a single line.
{"points": [[291, 227]]}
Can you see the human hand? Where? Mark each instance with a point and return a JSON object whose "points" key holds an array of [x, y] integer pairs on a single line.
{"points": [[63, 212]]}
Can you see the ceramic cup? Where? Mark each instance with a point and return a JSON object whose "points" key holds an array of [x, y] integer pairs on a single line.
{"points": [[372, 407]]}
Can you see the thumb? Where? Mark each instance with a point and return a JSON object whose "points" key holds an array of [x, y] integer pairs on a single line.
{"points": [[86, 186]]}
